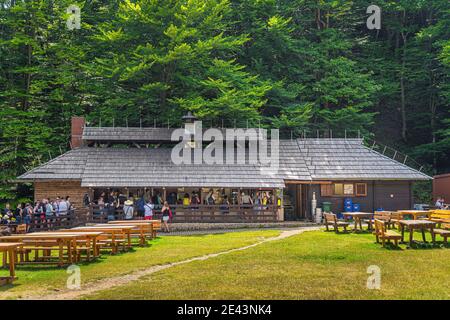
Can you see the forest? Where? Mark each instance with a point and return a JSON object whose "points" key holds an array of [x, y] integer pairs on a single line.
{"points": [[298, 65]]}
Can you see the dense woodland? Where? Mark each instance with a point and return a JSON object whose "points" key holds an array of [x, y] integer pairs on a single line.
{"points": [[291, 64]]}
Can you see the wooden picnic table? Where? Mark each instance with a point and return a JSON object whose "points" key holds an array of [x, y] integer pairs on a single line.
{"points": [[156, 224], [89, 237], [130, 221], [358, 217], [9, 251], [417, 224], [141, 229], [414, 213], [38, 240], [115, 231]]}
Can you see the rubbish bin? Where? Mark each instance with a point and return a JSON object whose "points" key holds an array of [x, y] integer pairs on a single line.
{"points": [[326, 206], [348, 202]]}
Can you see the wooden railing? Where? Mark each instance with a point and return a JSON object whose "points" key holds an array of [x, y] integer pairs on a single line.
{"points": [[194, 213], [72, 219]]}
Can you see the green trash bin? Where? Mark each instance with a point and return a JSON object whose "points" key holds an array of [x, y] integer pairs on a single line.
{"points": [[326, 206]]}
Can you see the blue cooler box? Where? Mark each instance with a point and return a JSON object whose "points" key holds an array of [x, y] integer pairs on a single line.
{"points": [[356, 207]]}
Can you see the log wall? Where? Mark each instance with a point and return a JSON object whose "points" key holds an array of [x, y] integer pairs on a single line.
{"points": [[53, 189]]}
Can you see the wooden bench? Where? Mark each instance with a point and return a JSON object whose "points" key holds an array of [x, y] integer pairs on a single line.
{"points": [[382, 216], [85, 243], [395, 219], [113, 237], [383, 234], [331, 220], [45, 243], [443, 233], [440, 217]]}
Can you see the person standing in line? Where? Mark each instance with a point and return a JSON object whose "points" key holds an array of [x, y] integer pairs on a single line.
{"points": [[128, 209], [186, 200], [195, 201], [211, 200], [49, 212], [62, 207], [18, 215], [166, 216], [148, 215], [246, 199], [28, 215], [69, 203]]}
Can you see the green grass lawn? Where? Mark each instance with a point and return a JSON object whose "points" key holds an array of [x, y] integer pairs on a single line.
{"points": [[312, 265], [43, 279]]}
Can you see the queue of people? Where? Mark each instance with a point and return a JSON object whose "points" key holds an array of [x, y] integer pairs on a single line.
{"points": [[132, 207], [42, 209], [259, 199], [146, 206]]}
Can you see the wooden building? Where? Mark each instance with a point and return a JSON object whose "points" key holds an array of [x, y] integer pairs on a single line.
{"points": [[136, 161], [441, 187]]}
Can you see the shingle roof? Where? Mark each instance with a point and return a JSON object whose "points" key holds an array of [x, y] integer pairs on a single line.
{"points": [[292, 164], [68, 166], [301, 159], [350, 159], [154, 167]]}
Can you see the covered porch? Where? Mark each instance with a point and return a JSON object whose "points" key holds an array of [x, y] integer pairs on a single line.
{"points": [[228, 205]]}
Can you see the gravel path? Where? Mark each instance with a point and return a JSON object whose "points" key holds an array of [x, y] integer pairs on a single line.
{"points": [[121, 280]]}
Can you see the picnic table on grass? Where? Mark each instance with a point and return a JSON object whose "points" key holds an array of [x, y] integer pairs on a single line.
{"points": [[47, 242], [156, 224], [358, 217], [417, 224], [415, 213], [117, 233], [9, 253], [86, 240], [142, 230]]}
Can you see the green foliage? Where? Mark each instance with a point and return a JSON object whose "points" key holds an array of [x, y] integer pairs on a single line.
{"points": [[422, 192]]}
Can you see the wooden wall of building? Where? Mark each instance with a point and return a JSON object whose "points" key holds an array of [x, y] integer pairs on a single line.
{"points": [[389, 195], [53, 189], [441, 187], [393, 195]]}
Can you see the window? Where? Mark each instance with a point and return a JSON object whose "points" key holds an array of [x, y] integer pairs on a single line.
{"points": [[344, 190], [348, 189], [326, 190], [361, 189], [338, 189]]}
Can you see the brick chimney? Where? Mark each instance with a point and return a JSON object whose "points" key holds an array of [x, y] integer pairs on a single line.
{"points": [[78, 124]]}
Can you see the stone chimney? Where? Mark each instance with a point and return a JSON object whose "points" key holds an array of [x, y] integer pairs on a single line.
{"points": [[78, 124]]}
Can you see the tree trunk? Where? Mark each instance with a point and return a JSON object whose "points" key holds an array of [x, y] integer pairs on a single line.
{"points": [[403, 104], [402, 82], [27, 76]]}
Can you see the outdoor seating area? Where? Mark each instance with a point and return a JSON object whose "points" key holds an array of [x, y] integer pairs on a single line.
{"points": [[392, 226], [64, 247]]}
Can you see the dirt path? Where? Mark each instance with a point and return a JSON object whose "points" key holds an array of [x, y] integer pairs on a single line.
{"points": [[121, 280]]}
